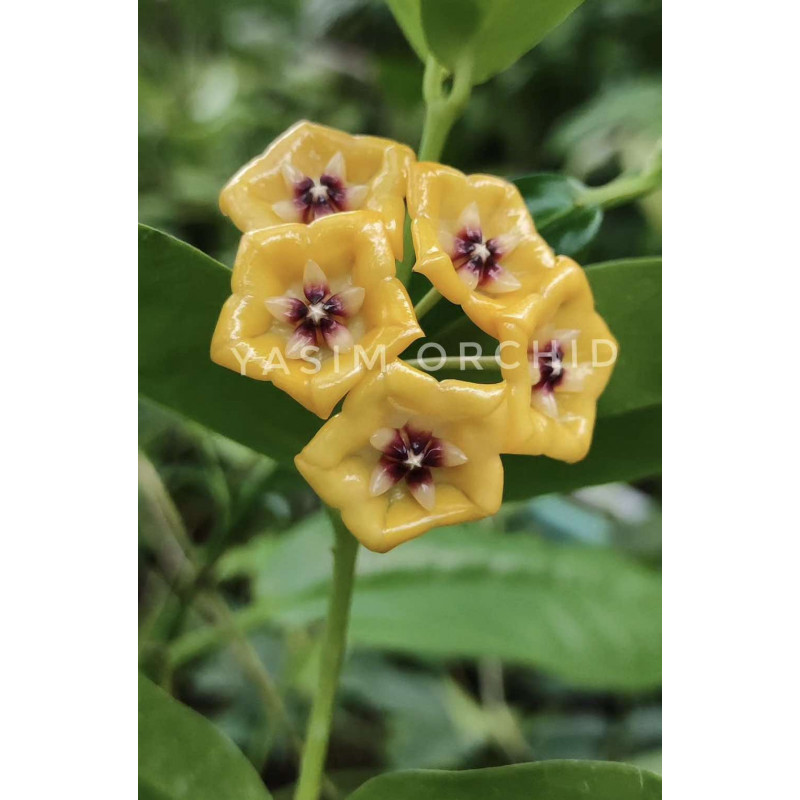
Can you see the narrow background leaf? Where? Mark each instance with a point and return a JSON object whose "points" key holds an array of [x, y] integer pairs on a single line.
{"points": [[585, 614]]}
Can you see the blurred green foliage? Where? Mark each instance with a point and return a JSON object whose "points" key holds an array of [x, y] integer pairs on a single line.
{"points": [[534, 635], [218, 81]]}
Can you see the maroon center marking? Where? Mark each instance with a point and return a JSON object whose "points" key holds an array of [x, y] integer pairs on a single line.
{"points": [[550, 361], [411, 455], [315, 199], [320, 318], [480, 257]]}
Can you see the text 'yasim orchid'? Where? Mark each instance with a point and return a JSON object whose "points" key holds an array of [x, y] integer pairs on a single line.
{"points": [[315, 281]]}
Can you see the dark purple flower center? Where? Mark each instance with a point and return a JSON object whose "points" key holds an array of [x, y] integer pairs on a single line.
{"points": [[317, 319], [477, 255], [320, 317], [550, 362], [411, 455], [315, 199]]}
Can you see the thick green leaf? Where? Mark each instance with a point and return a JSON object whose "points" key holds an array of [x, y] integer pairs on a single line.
{"points": [[588, 615], [181, 292], [625, 447], [627, 438], [549, 194], [182, 756], [650, 760], [345, 781], [545, 780], [451, 28], [408, 16], [556, 205], [627, 294], [494, 33]]}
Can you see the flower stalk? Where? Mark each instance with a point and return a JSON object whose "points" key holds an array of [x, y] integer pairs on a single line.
{"points": [[442, 108], [627, 187], [426, 303], [460, 363], [345, 551], [345, 266]]}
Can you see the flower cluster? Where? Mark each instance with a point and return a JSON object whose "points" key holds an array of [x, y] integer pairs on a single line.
{"points": [[318, 310]]}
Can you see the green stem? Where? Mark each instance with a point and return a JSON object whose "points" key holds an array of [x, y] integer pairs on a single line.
{"points": [[318, 732], [198, 642], [442, 109], [454, 362], [503, 724], [218, 610], [427, 303], [405, 266], [182, 567], [626, 187], [438, 122]]}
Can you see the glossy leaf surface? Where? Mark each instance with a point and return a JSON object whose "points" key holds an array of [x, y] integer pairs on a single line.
{"points": [[545, 780], [182, 756], [627, 439], [409, 17], [555, 203], [181, 292], [626, 447], [627, 293], [492, 34]]}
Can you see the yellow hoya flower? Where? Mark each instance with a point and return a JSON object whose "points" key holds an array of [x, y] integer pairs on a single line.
{"points": [[476, 242], [408, 453], [312, 171], [315, 307], [557, 359]]}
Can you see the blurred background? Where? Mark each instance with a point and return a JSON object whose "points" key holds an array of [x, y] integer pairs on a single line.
{"points": [[233, 630]]}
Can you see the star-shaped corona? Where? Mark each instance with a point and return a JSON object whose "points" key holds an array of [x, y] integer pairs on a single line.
{"points": [[477, 260], [315, 308], [312, 171], [476, 242], [313, 198], [319, 317], [411, 455], [557, 359], [408, 453], [553, 367]]}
